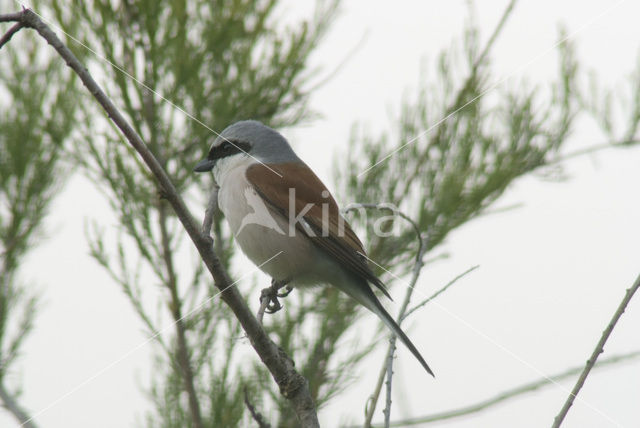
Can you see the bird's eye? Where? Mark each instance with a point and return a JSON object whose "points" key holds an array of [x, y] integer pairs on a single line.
{"points": [[228, 148]]}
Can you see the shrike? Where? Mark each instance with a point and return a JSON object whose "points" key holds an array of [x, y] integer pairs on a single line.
{"points": [[274, 204]]}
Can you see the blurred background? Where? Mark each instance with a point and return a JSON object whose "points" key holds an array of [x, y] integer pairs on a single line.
{"points": [[521, 119]]}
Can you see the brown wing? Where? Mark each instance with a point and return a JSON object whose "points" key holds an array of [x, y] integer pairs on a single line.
{"points": [[313, 203]]}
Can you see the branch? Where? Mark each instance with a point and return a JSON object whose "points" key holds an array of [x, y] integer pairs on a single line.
{"points": [[459, 102], [256, 415], [11, 17], [495, 34], [442, 290], [597, 351], [293, 386], [389, 372], [212, 208], [591, 149], [511, 393], [184, 360], [9, 402], [9, 34], [387, 367], [500, 210]]}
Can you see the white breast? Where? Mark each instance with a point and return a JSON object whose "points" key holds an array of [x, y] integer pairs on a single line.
{"points": [[230, 176], [262, 233]]}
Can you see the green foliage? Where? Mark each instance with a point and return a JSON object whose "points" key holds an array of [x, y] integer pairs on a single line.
{"points": [[457, 150], [36, 118], [605, 105], [219, 62]]}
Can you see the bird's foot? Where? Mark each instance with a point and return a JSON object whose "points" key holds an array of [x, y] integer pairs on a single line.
{"points": [[271, 295], [269, 302], [279, 286]]}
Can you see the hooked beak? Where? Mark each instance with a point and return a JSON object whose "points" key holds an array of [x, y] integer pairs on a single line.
{"points": [[204, 165]]}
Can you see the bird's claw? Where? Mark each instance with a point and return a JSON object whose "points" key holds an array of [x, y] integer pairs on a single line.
{"points": [[287, 290], [273, 307], [269, 296]]}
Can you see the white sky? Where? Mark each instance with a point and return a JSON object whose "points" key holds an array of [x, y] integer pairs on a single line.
{"points": [[551, 275]]}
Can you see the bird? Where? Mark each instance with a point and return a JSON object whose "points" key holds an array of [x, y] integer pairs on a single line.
{"points": [[276, 205]]}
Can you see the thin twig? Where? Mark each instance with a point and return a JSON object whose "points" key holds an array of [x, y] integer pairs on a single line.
{"points": [[212, 208], [293, 386], [391, 351], [263, 307], [436, 258], [373, 398], [10, 403], [442, 290], [599, 349], [500, 210], [460, 101], [591, 149], [387, 207], [183, 358], [9, 34], [511, 393], [389, 371], [11, 17], [495, 34], [387, 367], [256, 415]]}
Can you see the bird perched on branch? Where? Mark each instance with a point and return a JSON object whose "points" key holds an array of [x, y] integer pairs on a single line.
{"points": [[286, 221]]}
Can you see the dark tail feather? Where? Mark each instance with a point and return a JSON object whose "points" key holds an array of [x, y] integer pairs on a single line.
{"points": [[395, 328], [376, 307]]}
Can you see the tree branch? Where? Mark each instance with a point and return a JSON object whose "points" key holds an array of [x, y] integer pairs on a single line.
{"points": [[461, 99], [596, 352], [11, 17], [184, 360], [293, 386], [440, 291], [255, 414], [494, 36], [387, 366], [592, 149], [212, 207], [389, 375], [9, 34], [9, 402], [511, 393]]}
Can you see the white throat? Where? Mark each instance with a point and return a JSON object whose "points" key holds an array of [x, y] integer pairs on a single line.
{"points": [[225, 166]]}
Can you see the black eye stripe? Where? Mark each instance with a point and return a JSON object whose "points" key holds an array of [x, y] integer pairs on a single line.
{"points": [[228, 148]]}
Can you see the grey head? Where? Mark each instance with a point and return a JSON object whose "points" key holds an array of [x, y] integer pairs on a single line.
{"points": [[249, 138]]}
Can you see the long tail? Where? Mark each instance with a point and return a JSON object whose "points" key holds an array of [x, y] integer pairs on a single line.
{"points": [[365, 296]]}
